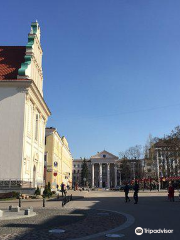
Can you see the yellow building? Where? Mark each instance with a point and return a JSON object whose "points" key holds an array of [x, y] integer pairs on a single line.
{"points": [[58, 160]]}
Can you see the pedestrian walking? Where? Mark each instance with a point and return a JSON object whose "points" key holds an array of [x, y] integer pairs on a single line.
{"points": [[171, 193], [136, 189], [126, 190], [63, 189]]}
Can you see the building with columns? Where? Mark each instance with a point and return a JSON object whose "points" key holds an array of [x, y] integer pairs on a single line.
{"points": [[23, 113], [103, 169]]}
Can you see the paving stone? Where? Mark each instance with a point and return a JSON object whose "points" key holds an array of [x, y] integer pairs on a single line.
{"points": [[76, 223]]}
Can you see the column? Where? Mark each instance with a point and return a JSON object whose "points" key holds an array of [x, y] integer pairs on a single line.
{"points": [[92, 175], [108, 175], [100, 175], [115, 175]]}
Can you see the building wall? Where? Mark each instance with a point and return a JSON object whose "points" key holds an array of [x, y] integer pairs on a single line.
{"points": [[34, 135], [23, 117], [66, 166], [76, 171], [57, 151], [49, 158], [12, 105]]}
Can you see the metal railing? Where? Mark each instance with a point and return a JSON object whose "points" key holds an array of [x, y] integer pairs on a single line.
{"points": [[21, 183]]}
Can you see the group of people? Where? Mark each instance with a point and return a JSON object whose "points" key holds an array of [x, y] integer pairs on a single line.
{"points": [[136, 189]]}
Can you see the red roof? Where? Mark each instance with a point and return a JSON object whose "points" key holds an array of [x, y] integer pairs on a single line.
{"points": [[11, 58]]}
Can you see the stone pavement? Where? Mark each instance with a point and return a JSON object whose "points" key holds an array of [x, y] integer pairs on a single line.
{"points": [[80, 217], [76, 223], [153, 211]]}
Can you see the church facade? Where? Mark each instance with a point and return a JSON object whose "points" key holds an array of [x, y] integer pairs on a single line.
{"points": [[23, 113]]}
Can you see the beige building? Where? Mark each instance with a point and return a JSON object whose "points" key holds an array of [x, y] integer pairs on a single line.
{"points": [[23, 113], [58, 160], [103, 170]]}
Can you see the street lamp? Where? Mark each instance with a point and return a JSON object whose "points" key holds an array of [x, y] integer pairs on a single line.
{"points": [[133, 163], [119, 177], [159, 187], [84, 179]]}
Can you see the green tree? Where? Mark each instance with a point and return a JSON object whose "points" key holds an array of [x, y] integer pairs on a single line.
{"points": [[84, 172], [37, 192], [125, 170], [47, 191]]}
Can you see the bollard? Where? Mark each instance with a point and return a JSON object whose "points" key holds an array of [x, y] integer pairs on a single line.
{"points": [[44, 202], [20, 202]]}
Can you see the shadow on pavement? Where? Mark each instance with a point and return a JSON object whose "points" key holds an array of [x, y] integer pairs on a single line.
{"points": [[150, 212]]}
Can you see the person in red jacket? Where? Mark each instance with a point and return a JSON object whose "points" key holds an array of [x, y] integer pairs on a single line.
{"points": [[171, 192]]}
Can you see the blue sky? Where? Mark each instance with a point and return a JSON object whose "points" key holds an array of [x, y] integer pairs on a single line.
{"points": [[111, 67]]}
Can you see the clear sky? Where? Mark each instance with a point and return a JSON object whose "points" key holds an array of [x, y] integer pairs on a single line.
{"points": [[111, 67]]}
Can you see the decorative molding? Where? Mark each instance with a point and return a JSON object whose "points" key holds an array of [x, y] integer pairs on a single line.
{"points": [[33, 39]]}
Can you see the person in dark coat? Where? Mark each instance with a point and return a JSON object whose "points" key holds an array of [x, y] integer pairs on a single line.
{"points": [[63, 189], [126, 190], [136, 189], [171, 193]]}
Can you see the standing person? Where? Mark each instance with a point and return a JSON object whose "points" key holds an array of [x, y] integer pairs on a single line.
{"points": [[171, 193], [126, 190], [63, 189], [136, 189]]}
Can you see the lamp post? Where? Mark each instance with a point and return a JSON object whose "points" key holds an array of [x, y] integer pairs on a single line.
{"points": [[119, 171], [133, 163], [120, 177], [84, 179], [159, 187]]}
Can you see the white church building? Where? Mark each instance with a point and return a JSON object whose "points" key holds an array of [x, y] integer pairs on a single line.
{"points": [[23, 113]]}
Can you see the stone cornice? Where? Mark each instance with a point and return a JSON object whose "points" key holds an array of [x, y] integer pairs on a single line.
{"points": [[16, 83], [27, 85]]}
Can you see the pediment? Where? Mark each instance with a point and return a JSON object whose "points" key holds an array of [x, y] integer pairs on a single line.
{"points": [[104, 154]]}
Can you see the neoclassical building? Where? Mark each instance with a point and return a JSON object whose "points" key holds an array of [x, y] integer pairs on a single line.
{"points": [[103, 169], [58, 159], [23, 113]]}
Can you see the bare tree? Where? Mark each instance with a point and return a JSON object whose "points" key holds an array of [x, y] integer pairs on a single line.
{"points": [[135, 152]]}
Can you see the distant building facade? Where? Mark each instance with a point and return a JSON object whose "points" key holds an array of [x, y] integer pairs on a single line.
{"points": [[23, 113], [103, 170], [77, 168], [163, 160], [58, 160]]}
